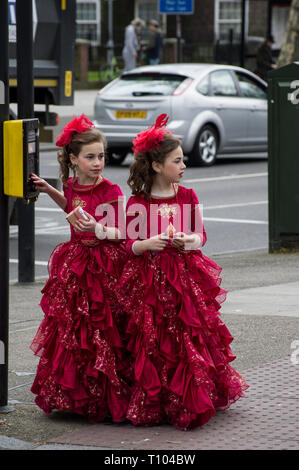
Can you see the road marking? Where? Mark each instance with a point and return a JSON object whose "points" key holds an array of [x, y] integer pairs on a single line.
{"points": [[48, 209], [52, 227], [237, 221], [38, 263], [229, 177], [239, 204], [223, 206], [58, 229], [244, 250]]}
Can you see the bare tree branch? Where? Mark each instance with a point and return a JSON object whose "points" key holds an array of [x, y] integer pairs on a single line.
{"points": [[290, 49]]}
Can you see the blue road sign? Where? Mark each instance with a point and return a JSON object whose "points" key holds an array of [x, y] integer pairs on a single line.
{"points": [[176, 7]]}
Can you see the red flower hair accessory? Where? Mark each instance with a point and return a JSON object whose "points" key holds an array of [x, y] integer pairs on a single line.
{"points": [[147, 140], [80, 124]]}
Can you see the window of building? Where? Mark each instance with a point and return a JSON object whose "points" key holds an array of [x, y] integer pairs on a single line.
{"points": [[88, 20], [147, 10], [228, 20]]}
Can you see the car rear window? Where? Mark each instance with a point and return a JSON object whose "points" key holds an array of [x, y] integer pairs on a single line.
{"points": [[145, 84]]}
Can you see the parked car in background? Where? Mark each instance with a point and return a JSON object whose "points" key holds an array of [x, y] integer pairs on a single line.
{"points": [[212, 108]]}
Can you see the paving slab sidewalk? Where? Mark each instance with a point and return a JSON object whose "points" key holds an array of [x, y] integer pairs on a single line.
{"points": [[261, 311]]}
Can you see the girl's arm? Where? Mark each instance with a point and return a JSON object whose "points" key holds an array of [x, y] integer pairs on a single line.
{"points": [[150, 244], [110, 226], [187, 242], [101, 231], [45, 187], [136, 230], [196, 236], [196, 223]]}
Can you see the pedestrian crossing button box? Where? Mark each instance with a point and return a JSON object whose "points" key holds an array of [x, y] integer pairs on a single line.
{"points": [[21, 157]]}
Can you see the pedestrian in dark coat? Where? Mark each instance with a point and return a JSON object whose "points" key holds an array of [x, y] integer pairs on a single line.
{"points": [[154, 45], [264, 60]]}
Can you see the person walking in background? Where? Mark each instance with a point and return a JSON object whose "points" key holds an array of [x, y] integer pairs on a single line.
{"points": [[131, 44], [264, 60], [82, 357], [154, 46]]}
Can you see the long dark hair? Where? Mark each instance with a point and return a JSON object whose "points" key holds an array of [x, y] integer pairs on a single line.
{"points": [[89, 136], [142, 175]]}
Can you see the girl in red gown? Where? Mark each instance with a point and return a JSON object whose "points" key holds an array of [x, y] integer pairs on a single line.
{"points": [[179, 348], [82, 363]]}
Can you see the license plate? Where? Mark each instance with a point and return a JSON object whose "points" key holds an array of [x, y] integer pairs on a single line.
{"points": [[130, 114]]}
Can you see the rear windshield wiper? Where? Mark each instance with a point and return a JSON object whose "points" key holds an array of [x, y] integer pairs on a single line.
{"points": [[146, 93]]}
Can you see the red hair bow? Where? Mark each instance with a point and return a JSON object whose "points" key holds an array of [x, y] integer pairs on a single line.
{"points": [[80, 124], [147, 140]]}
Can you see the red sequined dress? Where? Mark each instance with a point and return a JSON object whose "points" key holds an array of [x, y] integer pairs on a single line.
{"points": [[82, 365], [179, 346]]}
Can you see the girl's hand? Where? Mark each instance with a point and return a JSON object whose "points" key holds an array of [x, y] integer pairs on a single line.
{"points": [[44, 187], [41, 185], [180, 240], [85, 225], [156, 243]]}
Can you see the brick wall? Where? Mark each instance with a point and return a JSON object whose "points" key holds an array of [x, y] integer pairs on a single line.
{"points": [[258, 18], [198, 27]]}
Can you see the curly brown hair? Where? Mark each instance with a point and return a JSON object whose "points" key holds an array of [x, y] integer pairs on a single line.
{"points": [[89, 136], [142, 175]]}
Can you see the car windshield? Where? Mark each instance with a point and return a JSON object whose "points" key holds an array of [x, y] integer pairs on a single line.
{"points": [[145, 84]]}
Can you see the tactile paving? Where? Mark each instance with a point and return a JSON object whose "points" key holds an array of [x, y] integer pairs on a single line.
{"points": [[267, 418]]}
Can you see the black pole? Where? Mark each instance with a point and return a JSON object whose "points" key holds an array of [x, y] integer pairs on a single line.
{"points": [[242, 41], [230, 45], [269, 21], [110, 42], [26, 239], [4, 231]]}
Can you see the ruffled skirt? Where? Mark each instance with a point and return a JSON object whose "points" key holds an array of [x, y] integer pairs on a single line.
{"points": [[179, 348], [83, 362]]}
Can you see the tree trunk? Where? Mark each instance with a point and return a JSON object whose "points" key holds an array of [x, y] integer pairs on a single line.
{"points": [[290, 49]]}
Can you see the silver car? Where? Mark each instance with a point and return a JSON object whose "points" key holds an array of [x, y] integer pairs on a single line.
{"points": [[212, 108]]}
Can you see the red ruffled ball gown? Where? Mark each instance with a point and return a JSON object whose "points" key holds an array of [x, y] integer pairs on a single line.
{"points": [[83, 363], [179, 347]]}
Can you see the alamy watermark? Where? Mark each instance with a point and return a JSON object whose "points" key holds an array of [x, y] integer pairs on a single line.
{"points": [[143, 222]]}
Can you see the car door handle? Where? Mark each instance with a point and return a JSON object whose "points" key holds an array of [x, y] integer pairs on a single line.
{"points": [[219, 106]]}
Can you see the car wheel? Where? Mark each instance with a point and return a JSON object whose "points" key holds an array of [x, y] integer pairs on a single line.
{"points": [[116, 156], [205, 148]]}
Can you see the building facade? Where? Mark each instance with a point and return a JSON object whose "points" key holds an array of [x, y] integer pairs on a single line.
{"points": [[211, 33]]}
